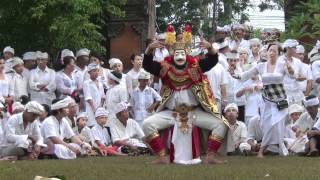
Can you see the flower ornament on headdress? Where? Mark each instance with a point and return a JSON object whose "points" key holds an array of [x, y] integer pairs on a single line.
{"points": [[187, 34], [171, 35]]}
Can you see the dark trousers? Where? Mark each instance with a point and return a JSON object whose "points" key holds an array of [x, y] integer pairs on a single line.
{"points": [[241, 113]]}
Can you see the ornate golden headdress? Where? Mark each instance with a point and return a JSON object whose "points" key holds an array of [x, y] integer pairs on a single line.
{"points": [[180, 45]]}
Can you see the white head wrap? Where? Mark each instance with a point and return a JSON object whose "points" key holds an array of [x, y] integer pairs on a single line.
{"points": [[223, 44], [226, 28], [82, 115], [242, 49], [93, 66], [113, 77], [43, 55], [29, 56], [144, 75], [16, 61], [114, 61], [295, 108], [300, 49], [17, 106], [38, 54], [121, 107], [66, 52], [232, 55], [83, 52], [255, 41], [290, 43], [8, 49], [161, 36], [101, 112], [219, 29], [318, 44], [61, 104], [34, 107], [231, 105], [311, 102], [238, 26]]}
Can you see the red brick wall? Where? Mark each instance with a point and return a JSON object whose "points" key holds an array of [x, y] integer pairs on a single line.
{"points": [[124, 45]]}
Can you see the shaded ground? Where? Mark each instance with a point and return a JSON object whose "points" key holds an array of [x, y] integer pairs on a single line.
{"points": [[136, 168]]}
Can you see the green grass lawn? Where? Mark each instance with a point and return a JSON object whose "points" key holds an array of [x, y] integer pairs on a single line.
{"points": [[129, 168]]}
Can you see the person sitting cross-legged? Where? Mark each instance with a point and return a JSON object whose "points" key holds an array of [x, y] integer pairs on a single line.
{"points": [[58, 133], [23, 135], [237, 133], [127, 133], [101, 135]]}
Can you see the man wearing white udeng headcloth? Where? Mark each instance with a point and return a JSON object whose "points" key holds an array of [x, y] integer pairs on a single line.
{"points": [[23, 133], [56, 128]]}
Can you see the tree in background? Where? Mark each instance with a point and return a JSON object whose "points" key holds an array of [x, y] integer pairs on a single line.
{"points": [[304, 22], [200, 12], [51, 25]]}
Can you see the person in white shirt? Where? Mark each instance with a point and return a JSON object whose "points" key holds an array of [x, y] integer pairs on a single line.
{"points": [[23, 133], [82, 130], [294, 144], [8, 53], [66, 81], [144, 99], [73, 109], [55, 130], [42, 81], [6, 88], [126, 132], [133, 74], [93, 93], [255, 46], [237, 133], [223, 50], [159, 55], [218, 78], [117, 66], [29, 59], [313, 134], [82, 61], [116, 93], [16, 78], [291, 84], [314, 57], [102, 73], [3, 124], [101, 134], [233, 60], [251, 90], [238, 41], [305, 85]]}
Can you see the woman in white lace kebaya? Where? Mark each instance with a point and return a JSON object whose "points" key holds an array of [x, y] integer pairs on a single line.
{"points": [[272, 115]]}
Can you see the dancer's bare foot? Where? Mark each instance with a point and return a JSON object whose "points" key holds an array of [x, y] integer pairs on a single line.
{"points": [[160, 160], [212, 159], [313, 153], [260, 155]]}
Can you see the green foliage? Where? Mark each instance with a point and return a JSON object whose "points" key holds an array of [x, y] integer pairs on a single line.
{"points": [[51, 25], [305, 20]]}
